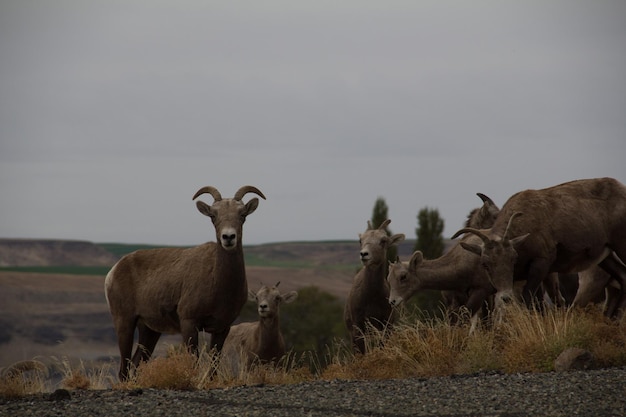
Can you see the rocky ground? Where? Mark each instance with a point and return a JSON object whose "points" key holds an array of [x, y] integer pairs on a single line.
{"points": [[575, 393]]}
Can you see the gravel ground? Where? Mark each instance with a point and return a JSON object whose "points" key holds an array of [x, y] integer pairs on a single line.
{"points": [[577, 393]]}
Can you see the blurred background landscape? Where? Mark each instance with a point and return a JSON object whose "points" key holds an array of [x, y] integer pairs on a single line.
{"points": [[52, 302]]}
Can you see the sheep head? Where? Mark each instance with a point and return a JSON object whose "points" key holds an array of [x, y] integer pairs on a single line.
{"points": [[269, 299], [228, 215], [485, 216], [402, 278], [497, 258], [375, 242]]}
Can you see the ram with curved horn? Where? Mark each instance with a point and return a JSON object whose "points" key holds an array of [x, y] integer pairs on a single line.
{"points": [[182, 290], [571, 227]]}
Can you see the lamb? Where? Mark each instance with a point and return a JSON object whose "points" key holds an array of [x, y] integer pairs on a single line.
{"points": [[456, 270], [367, 301], [182, 290], [572, 227], [261, 340]]}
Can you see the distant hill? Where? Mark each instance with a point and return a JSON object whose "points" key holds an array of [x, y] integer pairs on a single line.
{"points": [[306, 254], [32, 252]]}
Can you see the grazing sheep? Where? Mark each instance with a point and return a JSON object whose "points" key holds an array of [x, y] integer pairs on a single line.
{"points": [[571, 226], [261, 340], [497, 258], [456, 270], [176, 290], [367, 301], [479, 218]]}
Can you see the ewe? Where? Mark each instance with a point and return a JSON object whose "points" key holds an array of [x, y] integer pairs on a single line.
{"points": [[261, 340], [367, 302], [175, 290]]}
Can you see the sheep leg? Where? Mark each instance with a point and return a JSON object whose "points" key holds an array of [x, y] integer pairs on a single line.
{"points": [[537, 272], [189, 332], [218, 338], [358, 340], [125, 337], [617, 270], [147, 341], [474, 304]]}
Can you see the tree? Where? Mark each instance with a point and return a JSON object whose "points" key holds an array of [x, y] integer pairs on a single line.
{"points": [[429, 233], [379, 215], [430, 243]]}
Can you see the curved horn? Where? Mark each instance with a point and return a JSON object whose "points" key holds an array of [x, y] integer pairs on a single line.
{"points": [[277, 284], [506, 231], [384, 224], [471, 230], [248, 189], [485, 199], [210, 190]]}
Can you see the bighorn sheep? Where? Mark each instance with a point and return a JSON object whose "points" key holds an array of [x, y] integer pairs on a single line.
{"points": [[456, 270], [261, 340], [367, 301], [479, 218], [176, 290], [571, 227], [484, 216]]}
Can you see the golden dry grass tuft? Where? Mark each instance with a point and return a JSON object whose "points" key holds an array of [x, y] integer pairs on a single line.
{"points": [[23, 378], [525, 341], [182, 370]]}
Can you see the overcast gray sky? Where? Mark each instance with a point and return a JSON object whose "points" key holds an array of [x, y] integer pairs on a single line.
{"points": [[113, 113]]}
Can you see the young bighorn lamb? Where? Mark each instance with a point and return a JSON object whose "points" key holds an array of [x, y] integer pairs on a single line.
{"points": [[456, 270], [261, 340], [367, 302], [571, 226], [175, 290]]}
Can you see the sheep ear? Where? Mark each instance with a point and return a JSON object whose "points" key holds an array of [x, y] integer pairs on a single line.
{"points": [[416, 259], [518, 240], [289, 297], [251, 295], [251, 206], [477, 249], [205, 209], [396, 238]]}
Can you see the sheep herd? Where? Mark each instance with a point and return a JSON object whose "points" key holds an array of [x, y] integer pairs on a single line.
{"points": [[537, 237]]}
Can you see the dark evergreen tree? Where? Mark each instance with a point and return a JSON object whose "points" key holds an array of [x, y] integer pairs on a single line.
{"points": [[430, 243], [379, 215], [429, 233]]}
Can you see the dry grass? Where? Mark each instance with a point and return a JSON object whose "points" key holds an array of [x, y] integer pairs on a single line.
{"points": [[181, 370], [23, 378], [525, 341]]}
